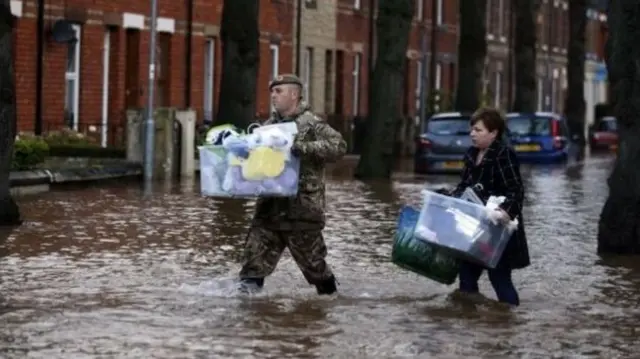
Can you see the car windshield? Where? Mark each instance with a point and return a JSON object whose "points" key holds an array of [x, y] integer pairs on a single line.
{"points": [[529, 126], [608, 124], [449, 126]]}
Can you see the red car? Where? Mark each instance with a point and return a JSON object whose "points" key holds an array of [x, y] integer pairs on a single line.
{"points": [[604, 135]]}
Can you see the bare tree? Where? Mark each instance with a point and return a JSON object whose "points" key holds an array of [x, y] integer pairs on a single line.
{"points": [[525, 55], [619, 225], [575, 106], [472, 51], [387, 84], [9, 212], [240, 62]]}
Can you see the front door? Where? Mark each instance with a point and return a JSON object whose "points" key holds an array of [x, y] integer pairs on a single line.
{"points": [[132, 69]]}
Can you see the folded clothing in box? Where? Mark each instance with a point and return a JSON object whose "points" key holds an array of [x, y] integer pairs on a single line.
{"points": [[461, 227], [258, 164]]}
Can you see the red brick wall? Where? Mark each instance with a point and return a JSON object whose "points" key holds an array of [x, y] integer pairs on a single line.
{"points": [[275, 23]]}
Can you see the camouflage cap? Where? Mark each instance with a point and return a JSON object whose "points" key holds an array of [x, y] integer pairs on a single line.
{"points": [[285, 79]]}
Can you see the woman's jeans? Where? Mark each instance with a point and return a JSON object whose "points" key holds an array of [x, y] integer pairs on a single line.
{"points": [[500, 280]]}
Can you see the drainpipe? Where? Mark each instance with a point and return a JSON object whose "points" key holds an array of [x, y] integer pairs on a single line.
{"points": [[39, 67], [434, 50], [298, 35], [372, 22], [187, 55]]}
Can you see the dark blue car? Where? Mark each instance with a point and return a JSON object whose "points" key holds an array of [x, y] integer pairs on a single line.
{"points": [[540, 137]]}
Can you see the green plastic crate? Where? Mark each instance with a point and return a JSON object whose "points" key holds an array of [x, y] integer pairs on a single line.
{"points": [[419, 256]]}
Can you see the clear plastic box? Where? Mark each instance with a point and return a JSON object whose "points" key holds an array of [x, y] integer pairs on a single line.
{"points": [[462, 227], [259, 164]]}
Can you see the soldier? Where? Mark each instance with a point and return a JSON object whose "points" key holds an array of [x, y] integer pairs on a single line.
{"points": [[295, 223]]}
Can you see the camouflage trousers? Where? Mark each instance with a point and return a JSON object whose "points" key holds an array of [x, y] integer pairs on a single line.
{"points": [[264, 248]]}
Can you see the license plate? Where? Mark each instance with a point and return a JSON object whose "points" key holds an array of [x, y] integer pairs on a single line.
{"points": [[527, 148], [453, 165], [613, 147]]}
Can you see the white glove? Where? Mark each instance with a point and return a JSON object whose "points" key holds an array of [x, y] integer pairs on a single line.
{"points": [[498, 216]]}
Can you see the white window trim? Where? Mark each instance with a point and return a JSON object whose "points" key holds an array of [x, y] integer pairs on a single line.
{"points": [[498, 90], [356, 4], [357, 61], [75, 76], [439, 13], [275, 59], [209, 77], [438, 83], [419, 9], [106, 53]]}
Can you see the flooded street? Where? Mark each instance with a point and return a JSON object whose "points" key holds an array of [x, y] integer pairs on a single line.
{"points": [[104, 273]]}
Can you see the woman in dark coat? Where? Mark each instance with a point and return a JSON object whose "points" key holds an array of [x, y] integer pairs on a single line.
{"points": [[492, 166]]}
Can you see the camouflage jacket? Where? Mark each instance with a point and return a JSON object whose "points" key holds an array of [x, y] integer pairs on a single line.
{"points": [[317, 144]]}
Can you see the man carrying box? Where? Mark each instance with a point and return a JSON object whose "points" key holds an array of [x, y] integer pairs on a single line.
{"points": [[295, 223]]}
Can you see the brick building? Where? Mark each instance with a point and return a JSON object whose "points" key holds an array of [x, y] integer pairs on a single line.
{"points": [[88, 84], [353, 46], [553, 39]]}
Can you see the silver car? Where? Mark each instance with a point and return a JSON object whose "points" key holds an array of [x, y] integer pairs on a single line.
{"points": [[443, 140]]}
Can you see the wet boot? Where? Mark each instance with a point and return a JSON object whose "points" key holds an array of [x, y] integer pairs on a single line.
{"points": [[327, 286], [251, 285]]}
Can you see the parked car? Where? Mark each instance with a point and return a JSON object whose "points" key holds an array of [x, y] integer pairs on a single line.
{"points": [[539, 136], [443, 140], [604, 134]]}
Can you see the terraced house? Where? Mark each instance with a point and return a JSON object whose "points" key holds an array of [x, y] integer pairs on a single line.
{"points": [[95, 52]]}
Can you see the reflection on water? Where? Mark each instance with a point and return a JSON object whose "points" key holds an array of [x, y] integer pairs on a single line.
{"points": [[109, 273]]}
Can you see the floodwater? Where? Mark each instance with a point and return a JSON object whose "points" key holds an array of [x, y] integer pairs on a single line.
{"points": [[101, 272]]}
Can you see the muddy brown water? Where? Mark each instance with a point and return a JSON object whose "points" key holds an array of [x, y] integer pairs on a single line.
{"points": [[103, 272]]}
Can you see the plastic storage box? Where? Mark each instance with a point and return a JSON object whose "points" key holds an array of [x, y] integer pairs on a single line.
{"points": [[462, 228], [420, 256], [259, 164]]}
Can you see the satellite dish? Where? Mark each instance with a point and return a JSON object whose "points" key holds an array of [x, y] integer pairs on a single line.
{"points": [[62, 31]]}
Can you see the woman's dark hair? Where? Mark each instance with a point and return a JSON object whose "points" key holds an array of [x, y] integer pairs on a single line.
{"points": [[491, 118]]}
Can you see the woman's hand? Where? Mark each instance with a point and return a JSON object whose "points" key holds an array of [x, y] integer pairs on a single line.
{"points": [[502, 216], [499, 216]]}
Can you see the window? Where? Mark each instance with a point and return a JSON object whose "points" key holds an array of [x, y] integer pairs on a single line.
{"points": [[419, 9], [307, 73], [356, 83], [72, 80], [439, 14], [356, 4], [275, 58], [106, 53], [209, 78]]}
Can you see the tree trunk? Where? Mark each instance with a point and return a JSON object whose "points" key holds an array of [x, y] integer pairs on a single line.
{"points": [[9, 212], [240, 62], [575, 106], [472, 50], [618, 228], [525, 56], [387, 84]]}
